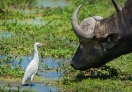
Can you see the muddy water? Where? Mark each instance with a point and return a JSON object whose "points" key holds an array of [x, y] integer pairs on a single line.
{"points": [[49, 70]]}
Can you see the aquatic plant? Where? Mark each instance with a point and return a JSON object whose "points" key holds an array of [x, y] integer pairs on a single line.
{"points": [[7, 69]]}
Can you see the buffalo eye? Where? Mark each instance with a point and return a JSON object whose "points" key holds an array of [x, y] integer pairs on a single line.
{"points": [[81, 43]]}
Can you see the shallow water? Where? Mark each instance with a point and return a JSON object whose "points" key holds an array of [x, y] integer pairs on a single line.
{"points": [[35, 21], [40, 87], [5, 34], [51, 3], [37, 87], [49, 69], [41, 4]]}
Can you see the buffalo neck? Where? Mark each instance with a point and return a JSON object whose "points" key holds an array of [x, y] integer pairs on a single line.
{"points": [[117, 51], [119, 23]]}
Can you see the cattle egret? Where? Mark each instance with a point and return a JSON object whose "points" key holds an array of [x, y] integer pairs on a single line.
{"points": [[32, 68]]}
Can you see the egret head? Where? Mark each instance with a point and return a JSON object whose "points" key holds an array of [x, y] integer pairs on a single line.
{"points": [[39, 44]]}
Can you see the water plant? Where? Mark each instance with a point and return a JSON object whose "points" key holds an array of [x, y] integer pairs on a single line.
{"points": [[7, 69]]}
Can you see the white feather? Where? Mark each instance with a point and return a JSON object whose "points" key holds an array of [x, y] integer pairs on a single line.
{"points": [[32, 68]]}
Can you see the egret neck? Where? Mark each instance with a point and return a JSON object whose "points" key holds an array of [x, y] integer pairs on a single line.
{"points": [[36, 57]]}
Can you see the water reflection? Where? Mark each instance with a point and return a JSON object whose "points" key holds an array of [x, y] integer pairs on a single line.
{"points": [[51, 69]]}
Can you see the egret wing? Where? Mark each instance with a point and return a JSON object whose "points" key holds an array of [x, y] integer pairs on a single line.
{"points": [[31, 69]]}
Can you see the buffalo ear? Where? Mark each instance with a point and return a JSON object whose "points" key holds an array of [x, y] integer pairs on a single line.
{"points": [[110, 40]]}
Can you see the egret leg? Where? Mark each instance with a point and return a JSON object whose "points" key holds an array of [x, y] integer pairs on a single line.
{"points": [[30, 85], [31, 80]]}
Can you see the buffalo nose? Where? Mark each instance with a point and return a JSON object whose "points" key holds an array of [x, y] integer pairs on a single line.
{"points": [[71, 64]]}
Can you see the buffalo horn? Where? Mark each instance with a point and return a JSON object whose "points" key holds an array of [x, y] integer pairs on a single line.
{"points": [[77, 29], [117, 7]]}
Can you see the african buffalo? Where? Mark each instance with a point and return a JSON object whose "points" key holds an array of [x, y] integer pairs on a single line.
{"points": [[102, 40]]}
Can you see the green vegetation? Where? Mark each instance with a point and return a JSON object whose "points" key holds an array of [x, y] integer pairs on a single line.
{"points": [[113, 77], [6, 69], [57, 28], [61, 42]]}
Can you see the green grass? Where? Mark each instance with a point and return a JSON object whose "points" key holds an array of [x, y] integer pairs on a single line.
{"points": [[99, 85], [115, 76]]}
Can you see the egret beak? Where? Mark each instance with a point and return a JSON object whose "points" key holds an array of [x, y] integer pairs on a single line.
{"points": [[43, 45]]}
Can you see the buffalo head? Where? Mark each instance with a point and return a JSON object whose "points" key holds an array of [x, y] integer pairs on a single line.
{"points": [[102, 40]]}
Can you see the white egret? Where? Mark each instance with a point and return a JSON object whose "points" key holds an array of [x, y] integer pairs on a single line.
{"points": [[32, 68]]}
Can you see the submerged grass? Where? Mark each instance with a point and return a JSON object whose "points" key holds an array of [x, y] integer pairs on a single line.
{"points": [[61, 43]]}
